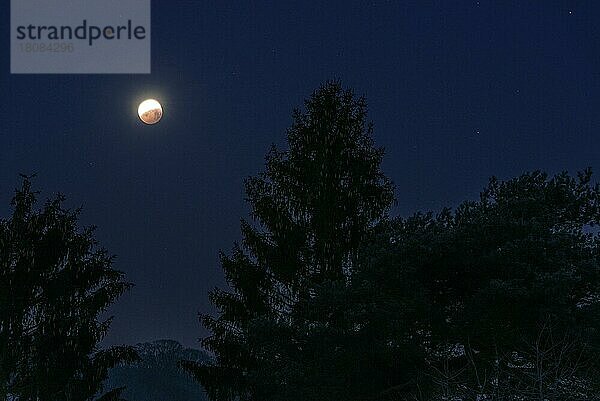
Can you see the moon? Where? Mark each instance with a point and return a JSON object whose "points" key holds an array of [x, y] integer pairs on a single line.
{"points": [[150, 111]]}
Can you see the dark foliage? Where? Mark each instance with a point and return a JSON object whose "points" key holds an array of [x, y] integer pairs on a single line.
{"points": [[330, 300], [275, 337], [502, 294], [54, 283]]}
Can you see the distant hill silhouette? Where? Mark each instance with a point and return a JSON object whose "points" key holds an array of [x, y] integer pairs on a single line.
{"points": [[156, 376]]}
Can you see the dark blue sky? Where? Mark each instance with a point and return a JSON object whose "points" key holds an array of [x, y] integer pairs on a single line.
{"points": [[457, 90]]}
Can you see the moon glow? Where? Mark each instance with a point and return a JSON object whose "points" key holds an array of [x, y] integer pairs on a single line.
{"points": [[150, 111]]}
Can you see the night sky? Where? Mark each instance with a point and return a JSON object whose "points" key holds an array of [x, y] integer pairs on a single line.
{"points": [[458, 91]]}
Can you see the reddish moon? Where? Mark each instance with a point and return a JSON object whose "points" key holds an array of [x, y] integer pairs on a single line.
{"points": [[150, 111]]}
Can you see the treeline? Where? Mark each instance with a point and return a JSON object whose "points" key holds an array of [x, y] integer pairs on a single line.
{"points": [[328, 297]]}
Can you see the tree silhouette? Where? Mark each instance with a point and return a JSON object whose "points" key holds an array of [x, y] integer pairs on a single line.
{"points": [[314, 205], [54, 283], [503, 293], [331, 300]]}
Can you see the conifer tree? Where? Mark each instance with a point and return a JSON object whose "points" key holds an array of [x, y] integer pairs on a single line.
{"points": [[313, 207], [54, 284]]}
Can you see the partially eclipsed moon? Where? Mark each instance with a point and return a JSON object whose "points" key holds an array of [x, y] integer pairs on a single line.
{"points": [[150, 111]]}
